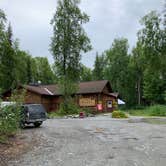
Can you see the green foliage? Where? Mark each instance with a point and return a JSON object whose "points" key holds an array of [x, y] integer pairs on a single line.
{"points": [[10, 115], [69, 39], [119, 114], [140, 78], [152, 40], [9, 120], [54, 115], [118, 70], [68, 42], [154, 87], [87, 111], [86, 74], [7, 56], [137, 65], [69, 108], [17, 66], [41, 70], [156, 110], [98, 72]]}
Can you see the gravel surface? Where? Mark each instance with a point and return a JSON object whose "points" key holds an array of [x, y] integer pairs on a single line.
{"points": [[98, 141]]}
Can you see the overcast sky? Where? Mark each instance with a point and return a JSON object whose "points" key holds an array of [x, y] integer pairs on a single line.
{"points": [[109, 19]]}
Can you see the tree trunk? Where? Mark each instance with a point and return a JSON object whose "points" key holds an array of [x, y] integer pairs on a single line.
{"points": [[139, 90]]}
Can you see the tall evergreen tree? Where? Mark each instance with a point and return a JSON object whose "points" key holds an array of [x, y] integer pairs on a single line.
{"points": [[98, 72], [86, 74], [10, 34], [43, 71], [7, 56]]}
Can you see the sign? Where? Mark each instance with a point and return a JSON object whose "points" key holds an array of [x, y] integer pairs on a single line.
{"points": [[99, 107], [87, 102]]}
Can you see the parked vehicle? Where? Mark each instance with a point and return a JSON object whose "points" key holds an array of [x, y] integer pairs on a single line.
{"points": [[33, 114], [6, 103]]}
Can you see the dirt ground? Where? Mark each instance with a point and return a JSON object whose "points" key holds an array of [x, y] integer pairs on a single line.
{"points": [[97, 141]]}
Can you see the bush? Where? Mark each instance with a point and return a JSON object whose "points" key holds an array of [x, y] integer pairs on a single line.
{"points": [[87, 111], [53, 114], [119, 114], [9, 120], [10, 116], [157, 110], [68, 109]]}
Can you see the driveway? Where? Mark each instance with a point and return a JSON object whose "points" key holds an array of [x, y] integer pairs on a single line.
{"points": [[98, 141]]}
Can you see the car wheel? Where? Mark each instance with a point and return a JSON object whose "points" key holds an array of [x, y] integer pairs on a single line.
{"points": [[37, 124]]}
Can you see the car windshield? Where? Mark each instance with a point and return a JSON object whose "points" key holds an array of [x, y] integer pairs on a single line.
{"points": [[36, 108]]}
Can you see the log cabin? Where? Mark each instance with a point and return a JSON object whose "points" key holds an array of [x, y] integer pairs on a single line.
{"points": [[96, 95]]}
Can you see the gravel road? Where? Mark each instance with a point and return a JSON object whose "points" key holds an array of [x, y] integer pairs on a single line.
{"points": [[98, 141]]}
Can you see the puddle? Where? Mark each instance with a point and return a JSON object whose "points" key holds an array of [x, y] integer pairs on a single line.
{"points": [[130, 138]]}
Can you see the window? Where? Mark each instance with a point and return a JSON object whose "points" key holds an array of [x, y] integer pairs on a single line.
{"points": [[109, 104]]}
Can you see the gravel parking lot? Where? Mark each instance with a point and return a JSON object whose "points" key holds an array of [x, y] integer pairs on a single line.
{"points": [[98, 141]]}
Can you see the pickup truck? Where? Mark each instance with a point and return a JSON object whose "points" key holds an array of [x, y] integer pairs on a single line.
{"points": [[32, 114]]}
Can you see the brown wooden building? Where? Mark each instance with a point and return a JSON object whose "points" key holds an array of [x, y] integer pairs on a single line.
{"points": [[97, 95]]}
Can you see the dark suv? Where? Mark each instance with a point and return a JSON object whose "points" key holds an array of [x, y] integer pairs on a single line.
{"points": [[33, 114]]}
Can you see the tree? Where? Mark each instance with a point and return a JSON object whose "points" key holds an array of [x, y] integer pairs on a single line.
{"points": [[68, 42], [86, 74], [117, 70], [98, 72], [23, 67], [41, 70], [7, 56], [164, 49], [151, 38], [17, 66], [69, 38], [137, 61], [10, 34]]}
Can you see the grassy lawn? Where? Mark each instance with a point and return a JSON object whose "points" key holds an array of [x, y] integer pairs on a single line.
{"points": [[156, 110]]}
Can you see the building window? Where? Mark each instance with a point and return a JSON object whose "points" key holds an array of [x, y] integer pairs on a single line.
{"points": [[109, 104]]}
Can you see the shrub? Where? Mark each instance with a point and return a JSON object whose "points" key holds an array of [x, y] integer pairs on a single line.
{"points": [[86, 110], [157, 110], [69, 108], [53, 114], [119, 114], [10, 115], [9, 120]]}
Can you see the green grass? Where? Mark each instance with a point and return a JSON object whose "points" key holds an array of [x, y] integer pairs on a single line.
{"points": [[54, 115], [3, 139], [156, 110]]}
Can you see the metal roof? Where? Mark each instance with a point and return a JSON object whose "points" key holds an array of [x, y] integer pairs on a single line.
{"points": [[83, 88]]}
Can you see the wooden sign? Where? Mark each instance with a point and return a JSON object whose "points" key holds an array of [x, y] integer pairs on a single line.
{"points": [[87, 102]]}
